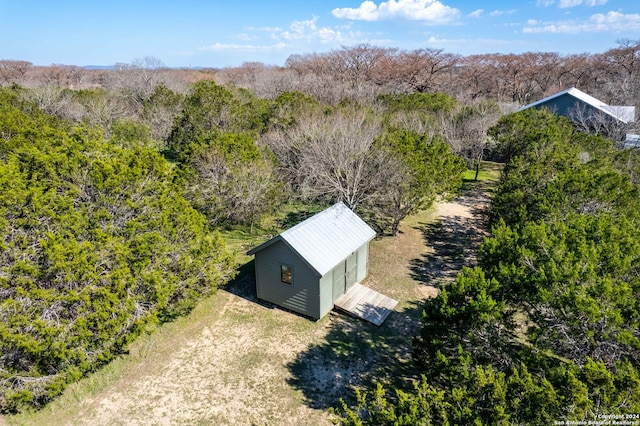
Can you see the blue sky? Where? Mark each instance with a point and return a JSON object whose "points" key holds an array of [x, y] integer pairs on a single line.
{"points": [[229, 32]]}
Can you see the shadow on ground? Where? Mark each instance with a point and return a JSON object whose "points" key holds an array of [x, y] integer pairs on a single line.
{"points": [[353, 354], [244, 286], [356, 354], [454, 239], [244, 283]]}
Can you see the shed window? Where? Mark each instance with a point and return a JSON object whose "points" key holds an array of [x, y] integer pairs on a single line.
{"points": [[286, 274]]}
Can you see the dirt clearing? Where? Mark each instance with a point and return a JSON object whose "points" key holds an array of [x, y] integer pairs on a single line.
{"points": [[237, 360]]}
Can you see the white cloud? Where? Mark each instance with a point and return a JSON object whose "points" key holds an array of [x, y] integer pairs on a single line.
{"points": [[502, 12], [245, 37], [298, 33], [618, 20], [476, 13], [308, 30], [465, 46], [247, 47], [299, 29], [563, 4], [612, 21], [569, 3], [431, 11]]}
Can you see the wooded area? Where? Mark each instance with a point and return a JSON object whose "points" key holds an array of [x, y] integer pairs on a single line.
{"points": [[364, 71], [115, 184], [97, 240], [107, 226], [545, 328]]}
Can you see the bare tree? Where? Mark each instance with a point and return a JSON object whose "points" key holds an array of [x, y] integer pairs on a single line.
{"points": [[474, 78], [314, 63], [136, 81], [423, 69], [60, 75], [357, 64], [348, 73], [332, 157], [622, 65], [591, 120], [161, 110], [270, 82], [264, 81], [543, 71], [232, 190], [55, 101], [14, 71], [577, 71], [103, 109], [416, 121], [470, 125]]}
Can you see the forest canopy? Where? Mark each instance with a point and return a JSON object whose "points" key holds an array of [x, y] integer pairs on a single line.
{"points": [[545, 327], [109, 225], [114, 185], [97, 240]]}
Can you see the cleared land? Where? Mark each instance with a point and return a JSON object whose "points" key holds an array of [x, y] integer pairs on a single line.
{"points": [[238, 360]]}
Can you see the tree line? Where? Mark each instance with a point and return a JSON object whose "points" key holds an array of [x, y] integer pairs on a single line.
{"points": [[545, 328], [96, 241], [114, 188], [364, 71], [108, 227], [242, 157]]}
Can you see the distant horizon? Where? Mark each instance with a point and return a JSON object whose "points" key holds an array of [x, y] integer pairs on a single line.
{"points": [[200, 67], [198, 34]]}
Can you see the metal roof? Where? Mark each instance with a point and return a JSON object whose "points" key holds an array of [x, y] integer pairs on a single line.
{"points": [[632, 141], [625, 114], [325, 239]]}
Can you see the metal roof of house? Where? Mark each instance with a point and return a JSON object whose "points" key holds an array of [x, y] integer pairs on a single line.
{"points": [[632, 141], [325, 239], [625, 114]]}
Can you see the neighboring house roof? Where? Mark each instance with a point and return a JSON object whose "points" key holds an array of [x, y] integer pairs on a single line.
{"points": [[626, 114], [325, 239], [632, 141]]}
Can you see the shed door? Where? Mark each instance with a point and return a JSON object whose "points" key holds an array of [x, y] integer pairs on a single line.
{"points": [[363, 252], [351, 270], [339, 287]]}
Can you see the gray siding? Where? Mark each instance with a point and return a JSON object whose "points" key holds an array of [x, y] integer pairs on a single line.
{"points": [[338, 280], [302, 296], [326, 294], [574, 109], [363, 262], [567, 106], [351, 268]]}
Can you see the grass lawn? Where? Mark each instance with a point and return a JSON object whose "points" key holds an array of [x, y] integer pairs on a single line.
{"points": [[488, 171], [238, 360]]}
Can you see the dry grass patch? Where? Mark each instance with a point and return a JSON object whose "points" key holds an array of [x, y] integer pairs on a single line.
{"points": [[236, 360], [391, 261]]}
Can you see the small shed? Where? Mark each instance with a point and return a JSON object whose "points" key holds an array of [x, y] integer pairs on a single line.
{"points": [[307, 267]]}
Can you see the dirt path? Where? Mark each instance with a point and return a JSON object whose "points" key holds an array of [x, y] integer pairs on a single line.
{"points": [[454, 237], [239, 361]]}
